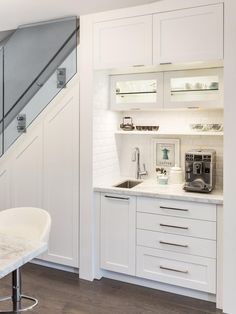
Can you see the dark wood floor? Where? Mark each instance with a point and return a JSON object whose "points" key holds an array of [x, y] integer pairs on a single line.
{"points": [[63, 293]]}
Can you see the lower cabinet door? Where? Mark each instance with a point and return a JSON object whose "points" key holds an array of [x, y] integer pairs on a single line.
{"points": [[194, 272], [118, 233]]}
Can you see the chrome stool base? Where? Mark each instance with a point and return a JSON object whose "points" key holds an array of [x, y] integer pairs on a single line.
{"points": [[17, 297]]}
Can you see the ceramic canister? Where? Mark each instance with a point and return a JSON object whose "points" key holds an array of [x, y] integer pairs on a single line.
{"points": [[176, 175]]}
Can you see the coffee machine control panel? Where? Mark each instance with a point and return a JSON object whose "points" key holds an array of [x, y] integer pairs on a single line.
{"points": [[200, 170], [192, 157]]}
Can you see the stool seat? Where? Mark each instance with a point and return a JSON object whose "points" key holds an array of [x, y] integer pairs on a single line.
{"points": [[24, 234]]}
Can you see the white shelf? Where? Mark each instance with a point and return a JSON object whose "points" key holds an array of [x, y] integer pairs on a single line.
{"points": [[183, 133]]}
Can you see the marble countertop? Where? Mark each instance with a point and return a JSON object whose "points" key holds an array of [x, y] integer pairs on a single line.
{"points": [[16, 251], [151, 188]]}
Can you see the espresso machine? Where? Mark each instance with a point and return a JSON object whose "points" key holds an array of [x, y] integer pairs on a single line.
{"points": [[200, 168]]}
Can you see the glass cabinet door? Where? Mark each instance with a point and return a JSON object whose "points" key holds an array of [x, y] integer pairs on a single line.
{"points": [[136, 91], [194, 88]]}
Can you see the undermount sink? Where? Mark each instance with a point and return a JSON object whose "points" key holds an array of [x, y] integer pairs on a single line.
{"points": [[128, 184]]}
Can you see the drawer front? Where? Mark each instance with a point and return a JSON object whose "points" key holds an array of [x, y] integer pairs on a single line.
{"points": [[175, 225], [177, 208], [192, 272], [176, 243]]}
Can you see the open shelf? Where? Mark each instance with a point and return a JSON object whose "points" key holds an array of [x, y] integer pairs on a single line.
{"points": [[183, 133]]}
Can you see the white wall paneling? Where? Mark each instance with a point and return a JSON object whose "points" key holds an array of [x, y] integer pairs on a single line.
{"points": [[87, 219], [41, 170], [27, 171], [61, 162], [229, 256]]}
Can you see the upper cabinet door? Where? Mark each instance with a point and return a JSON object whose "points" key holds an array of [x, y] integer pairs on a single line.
{"points": [[188, 35], [141, 91], [123, 43], [202, 88]]}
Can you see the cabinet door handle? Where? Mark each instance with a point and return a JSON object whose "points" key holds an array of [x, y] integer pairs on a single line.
{"points": [[173, 208], [174, 244], [165, 63], [176, 227], [175, 270], [117, 197]]}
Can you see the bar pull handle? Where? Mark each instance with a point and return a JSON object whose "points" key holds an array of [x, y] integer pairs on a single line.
{"points": [[173, 208], [175, 270], [174, 244], [165, 63], [176, 227], [117, 197]]}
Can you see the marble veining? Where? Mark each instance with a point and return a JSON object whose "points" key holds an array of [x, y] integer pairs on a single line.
{"points": [[16, 251], [152, 189]]}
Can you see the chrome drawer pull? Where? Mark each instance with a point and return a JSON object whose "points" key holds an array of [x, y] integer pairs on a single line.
{"points": [[175, 270], [174, 244], [172, 208], [117, 198], [176, 227]]}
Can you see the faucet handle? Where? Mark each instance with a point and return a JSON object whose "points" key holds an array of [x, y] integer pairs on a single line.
{"points": [[144, 172]]}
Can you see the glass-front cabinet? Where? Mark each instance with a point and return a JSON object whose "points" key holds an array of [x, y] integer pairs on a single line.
{"points": [[136, 91], [194, 88]]}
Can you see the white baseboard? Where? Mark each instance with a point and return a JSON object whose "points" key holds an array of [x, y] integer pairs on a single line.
{"points": [[55, 266], [160, 286]]}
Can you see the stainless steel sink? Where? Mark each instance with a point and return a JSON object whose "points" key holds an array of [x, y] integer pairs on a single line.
{"points": [[128, 184]]}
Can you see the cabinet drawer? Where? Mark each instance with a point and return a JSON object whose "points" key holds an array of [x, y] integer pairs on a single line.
{"points": [[177, 243], [175, 225], [188, 271], [177, 208]]}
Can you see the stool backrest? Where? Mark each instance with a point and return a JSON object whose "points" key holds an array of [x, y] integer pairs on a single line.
{"points": [[27, 222]]}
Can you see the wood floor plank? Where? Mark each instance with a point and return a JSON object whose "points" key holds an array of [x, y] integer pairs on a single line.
{"points": [[64, 293]]}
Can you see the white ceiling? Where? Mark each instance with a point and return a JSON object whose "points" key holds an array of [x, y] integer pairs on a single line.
{"points": [[17, 12]]}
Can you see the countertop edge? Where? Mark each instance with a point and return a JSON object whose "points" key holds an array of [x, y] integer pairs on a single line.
{"points": [[200, 197]]}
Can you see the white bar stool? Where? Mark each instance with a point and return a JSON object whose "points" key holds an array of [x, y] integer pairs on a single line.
{"points": [[29, 223]]}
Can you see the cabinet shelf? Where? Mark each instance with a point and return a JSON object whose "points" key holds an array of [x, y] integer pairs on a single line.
{"points": [[135, 93], [194, 90], [183, 133]]}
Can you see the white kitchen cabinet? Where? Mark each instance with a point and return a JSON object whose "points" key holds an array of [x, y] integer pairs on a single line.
{"points": [[188, 35], [27, 171], [60, 182], [176, 225], [177, 208], [117, 225], [202, 88], [174, 241], [142, 91], [193, 272], [123, 42], [177, 243]]}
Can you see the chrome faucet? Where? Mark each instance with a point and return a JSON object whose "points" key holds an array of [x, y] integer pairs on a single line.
{"points": [[136, 158]]}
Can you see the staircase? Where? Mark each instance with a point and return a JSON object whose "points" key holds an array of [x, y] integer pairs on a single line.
{"points": [[36, 63]]}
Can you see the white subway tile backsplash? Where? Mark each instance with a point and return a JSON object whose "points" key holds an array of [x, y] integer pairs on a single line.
{"points": [[105, 156]]}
